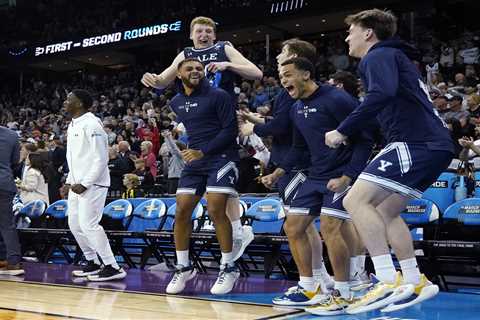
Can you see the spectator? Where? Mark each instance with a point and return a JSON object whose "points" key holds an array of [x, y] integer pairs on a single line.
{"points": [[131, 182], [34, 183], [146, 179], [456, 111], [124, 154], [57, 157], [175, 162], [117, 168], [149, 157]]}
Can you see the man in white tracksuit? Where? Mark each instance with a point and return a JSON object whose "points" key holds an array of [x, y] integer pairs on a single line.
{"points": [[88, 181]]}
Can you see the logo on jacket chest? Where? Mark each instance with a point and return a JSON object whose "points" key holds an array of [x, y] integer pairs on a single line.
{"points": [[306, 110], [188, 106]]}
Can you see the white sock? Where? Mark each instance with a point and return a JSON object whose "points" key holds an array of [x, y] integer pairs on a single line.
{"points": [[410, 271], [227, 258], [237, 230], [343, 288], [307, 283], [361, 263], [320, 272], [353, 267], [384, 268], [182, 258]]}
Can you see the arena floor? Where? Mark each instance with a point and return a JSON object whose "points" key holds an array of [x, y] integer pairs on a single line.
{"points": [[48, 292]]}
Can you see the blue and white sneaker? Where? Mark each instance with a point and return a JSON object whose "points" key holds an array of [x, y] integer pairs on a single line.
{"points": [[297, 296]]}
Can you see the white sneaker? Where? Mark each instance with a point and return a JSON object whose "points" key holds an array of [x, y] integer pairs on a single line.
{"points": [[326, 282], [180, 279], [240, 244], [360, 281], [226, 279]]}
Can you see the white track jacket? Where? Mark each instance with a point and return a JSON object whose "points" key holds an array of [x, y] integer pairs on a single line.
{"points": [[87, 152]]}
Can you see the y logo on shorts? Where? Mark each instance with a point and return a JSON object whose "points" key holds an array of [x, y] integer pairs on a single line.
{"points": [[384, 165], [232, 179]]}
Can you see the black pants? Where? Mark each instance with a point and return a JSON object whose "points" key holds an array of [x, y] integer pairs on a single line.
{"points": [[8, 229]]}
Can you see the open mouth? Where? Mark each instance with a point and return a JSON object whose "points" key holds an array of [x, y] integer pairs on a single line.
{"points": [[290, 89]]}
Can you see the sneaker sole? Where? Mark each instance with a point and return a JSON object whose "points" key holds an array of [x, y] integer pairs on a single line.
{"points": [[12, 272], [427, 293], [114, 277], [80, 273], [324, 312], [192, 275], [400, 293]]}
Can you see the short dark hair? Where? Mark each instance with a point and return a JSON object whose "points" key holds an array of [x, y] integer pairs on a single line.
{"points": [[187, 60], [302, 64], [84, 97], [349, 81], [383, 23], [302, 49]]}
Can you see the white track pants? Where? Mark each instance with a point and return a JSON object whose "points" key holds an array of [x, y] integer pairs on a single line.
{"points": [[84, 214]]}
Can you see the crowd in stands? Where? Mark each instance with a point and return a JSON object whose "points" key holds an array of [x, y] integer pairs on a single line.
{"points": [[58, 20], [145, 139]]}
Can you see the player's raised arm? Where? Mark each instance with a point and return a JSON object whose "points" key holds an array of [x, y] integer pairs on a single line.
{"points": [[241, 65], [163, 79]]}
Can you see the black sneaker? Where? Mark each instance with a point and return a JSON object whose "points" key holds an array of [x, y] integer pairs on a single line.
{"points": [[108, 273], [90, 268]]}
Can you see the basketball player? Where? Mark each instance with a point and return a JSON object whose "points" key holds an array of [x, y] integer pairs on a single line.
{"points": [[88, 181], [222, 62], [318, 109], [419, 149], [208, 115], [280, 127]]}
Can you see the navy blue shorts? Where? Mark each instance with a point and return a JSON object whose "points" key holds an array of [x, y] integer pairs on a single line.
{"points": [[313, 198], [219, 176], [407, 169], [288, 186]]}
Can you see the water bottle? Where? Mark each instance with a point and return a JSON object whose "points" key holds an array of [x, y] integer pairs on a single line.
{"points": [[461, 189]]}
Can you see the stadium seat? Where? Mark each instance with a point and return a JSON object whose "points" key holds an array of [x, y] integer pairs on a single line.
{"points": [[148, 215], [466, 212], [420, 212], [197, 216], [267, 216], [118, 214], [442, 191], [33, 209], [58, 209]]}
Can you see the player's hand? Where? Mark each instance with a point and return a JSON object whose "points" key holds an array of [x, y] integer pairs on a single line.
{"points": [[339, 185], [190, 155], [151, 80], [270, 180], [466, 142], [250, 116], [78, 188], [245, 129], [218, 66], [334, 139]]}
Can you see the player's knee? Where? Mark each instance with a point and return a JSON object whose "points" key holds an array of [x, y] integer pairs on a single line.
{"points": [[330, 228], [292, 230], [349, 202]]}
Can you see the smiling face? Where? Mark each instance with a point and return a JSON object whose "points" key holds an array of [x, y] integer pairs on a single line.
{"points": [[203, 36], [191, 73], [293, 80], [357, 40]]}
